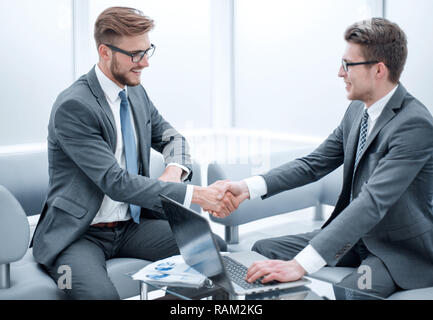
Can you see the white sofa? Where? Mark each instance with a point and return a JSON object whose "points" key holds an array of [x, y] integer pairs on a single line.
{"points": [[23, 187]]}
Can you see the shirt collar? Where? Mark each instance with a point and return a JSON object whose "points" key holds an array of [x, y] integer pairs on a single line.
{"points": [[376, 108], [110, 88]]}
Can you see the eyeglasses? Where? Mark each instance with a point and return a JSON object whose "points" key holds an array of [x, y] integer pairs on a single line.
{"points": [[346, 64], [136, 56]]}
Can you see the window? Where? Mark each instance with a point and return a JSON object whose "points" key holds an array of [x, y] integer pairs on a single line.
{"points": [[37, 64], [178, 78], [287, 56]]}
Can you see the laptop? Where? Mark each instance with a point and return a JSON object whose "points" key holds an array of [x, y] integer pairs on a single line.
{"points": [[199, 249]]}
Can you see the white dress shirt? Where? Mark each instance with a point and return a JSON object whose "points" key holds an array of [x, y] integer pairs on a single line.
{"points": [[111, 210], [309, 258]]}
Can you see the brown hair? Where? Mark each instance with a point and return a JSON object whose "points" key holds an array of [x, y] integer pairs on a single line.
{"points": [[116, 22], [380, 40]]}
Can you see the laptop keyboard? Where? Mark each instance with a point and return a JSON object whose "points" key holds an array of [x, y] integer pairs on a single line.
{"points": [[237, 273]]}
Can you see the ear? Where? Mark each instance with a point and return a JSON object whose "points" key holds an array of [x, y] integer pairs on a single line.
{"points": [[104, 52], [381, 71]]}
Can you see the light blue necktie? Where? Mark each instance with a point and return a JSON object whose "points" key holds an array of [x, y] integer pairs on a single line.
{"points": [[361, 144], [129, 145]]}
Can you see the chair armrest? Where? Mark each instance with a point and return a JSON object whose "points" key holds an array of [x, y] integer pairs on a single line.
{"points": [[25, 175], [157, 167], [288, 201], [251, 210], [14, 228]]}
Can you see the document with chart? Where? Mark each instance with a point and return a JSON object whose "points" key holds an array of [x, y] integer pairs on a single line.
{"points": [[172, 271]]}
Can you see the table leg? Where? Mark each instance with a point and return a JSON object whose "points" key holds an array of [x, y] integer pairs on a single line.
{"points": [[143, 291]]}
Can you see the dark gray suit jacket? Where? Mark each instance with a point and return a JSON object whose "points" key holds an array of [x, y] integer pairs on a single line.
{"points": [[391, 210], [82, 166]]}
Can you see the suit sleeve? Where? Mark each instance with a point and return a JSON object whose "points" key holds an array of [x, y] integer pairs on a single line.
{"points": [[409, 149], [79, 134], [326, 158]]}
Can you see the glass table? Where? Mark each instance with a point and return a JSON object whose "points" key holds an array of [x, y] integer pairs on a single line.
{"points": [[214, 292]]}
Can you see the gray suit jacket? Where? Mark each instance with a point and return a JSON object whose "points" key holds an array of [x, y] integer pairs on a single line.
{"points": [[391, 210], [82, 167]]}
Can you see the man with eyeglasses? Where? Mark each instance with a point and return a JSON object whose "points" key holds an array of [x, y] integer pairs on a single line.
{"points": [[383, 219], [101, 202]]}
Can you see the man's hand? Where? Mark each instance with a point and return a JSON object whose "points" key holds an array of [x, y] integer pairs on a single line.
{"points": [[235, 192], [213, 199], [171, 174], [239, 189], [282, 271]]}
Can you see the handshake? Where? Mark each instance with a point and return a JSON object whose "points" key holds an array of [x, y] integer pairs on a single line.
{"points": [[221, 198]]}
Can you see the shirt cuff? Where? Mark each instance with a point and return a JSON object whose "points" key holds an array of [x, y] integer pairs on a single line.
{"points": [[188, 195], [256, 186], [185, 172], [310, 260]]}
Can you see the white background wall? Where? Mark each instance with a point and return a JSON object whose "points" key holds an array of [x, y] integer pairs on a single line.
{"points": [[252, 64], [414, 18], [178, 79], [288, 54], [36, 63]]}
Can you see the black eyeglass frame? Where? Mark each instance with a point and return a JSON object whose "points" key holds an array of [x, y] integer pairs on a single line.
{"points": [[346, 64], [140, 54]]}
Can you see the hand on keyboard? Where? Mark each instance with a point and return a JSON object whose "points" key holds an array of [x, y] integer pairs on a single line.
{"points": [[270, 270], [237, 273]]}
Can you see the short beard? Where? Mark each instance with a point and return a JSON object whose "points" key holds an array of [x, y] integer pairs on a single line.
{"points": [[121, 78]]}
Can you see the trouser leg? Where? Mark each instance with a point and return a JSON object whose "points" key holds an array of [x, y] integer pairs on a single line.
{"points": [[285, 247], [382, 285], [89, 277], [152, 240], [373, 281]]}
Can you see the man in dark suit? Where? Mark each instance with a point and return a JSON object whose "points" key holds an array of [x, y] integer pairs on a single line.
{"points": [[383, 219], [101, 202]]}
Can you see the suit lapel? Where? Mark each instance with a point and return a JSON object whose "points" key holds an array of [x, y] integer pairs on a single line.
{"points": [[97, 91], [352, 144], [387, 114], [140, 121], [352, 140]]}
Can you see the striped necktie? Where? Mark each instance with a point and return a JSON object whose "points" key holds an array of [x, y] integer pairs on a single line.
{"points": [[362, 136], [361, 144]]}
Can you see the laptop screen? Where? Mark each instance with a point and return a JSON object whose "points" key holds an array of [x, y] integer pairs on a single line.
{"points": [[194, 238]]}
